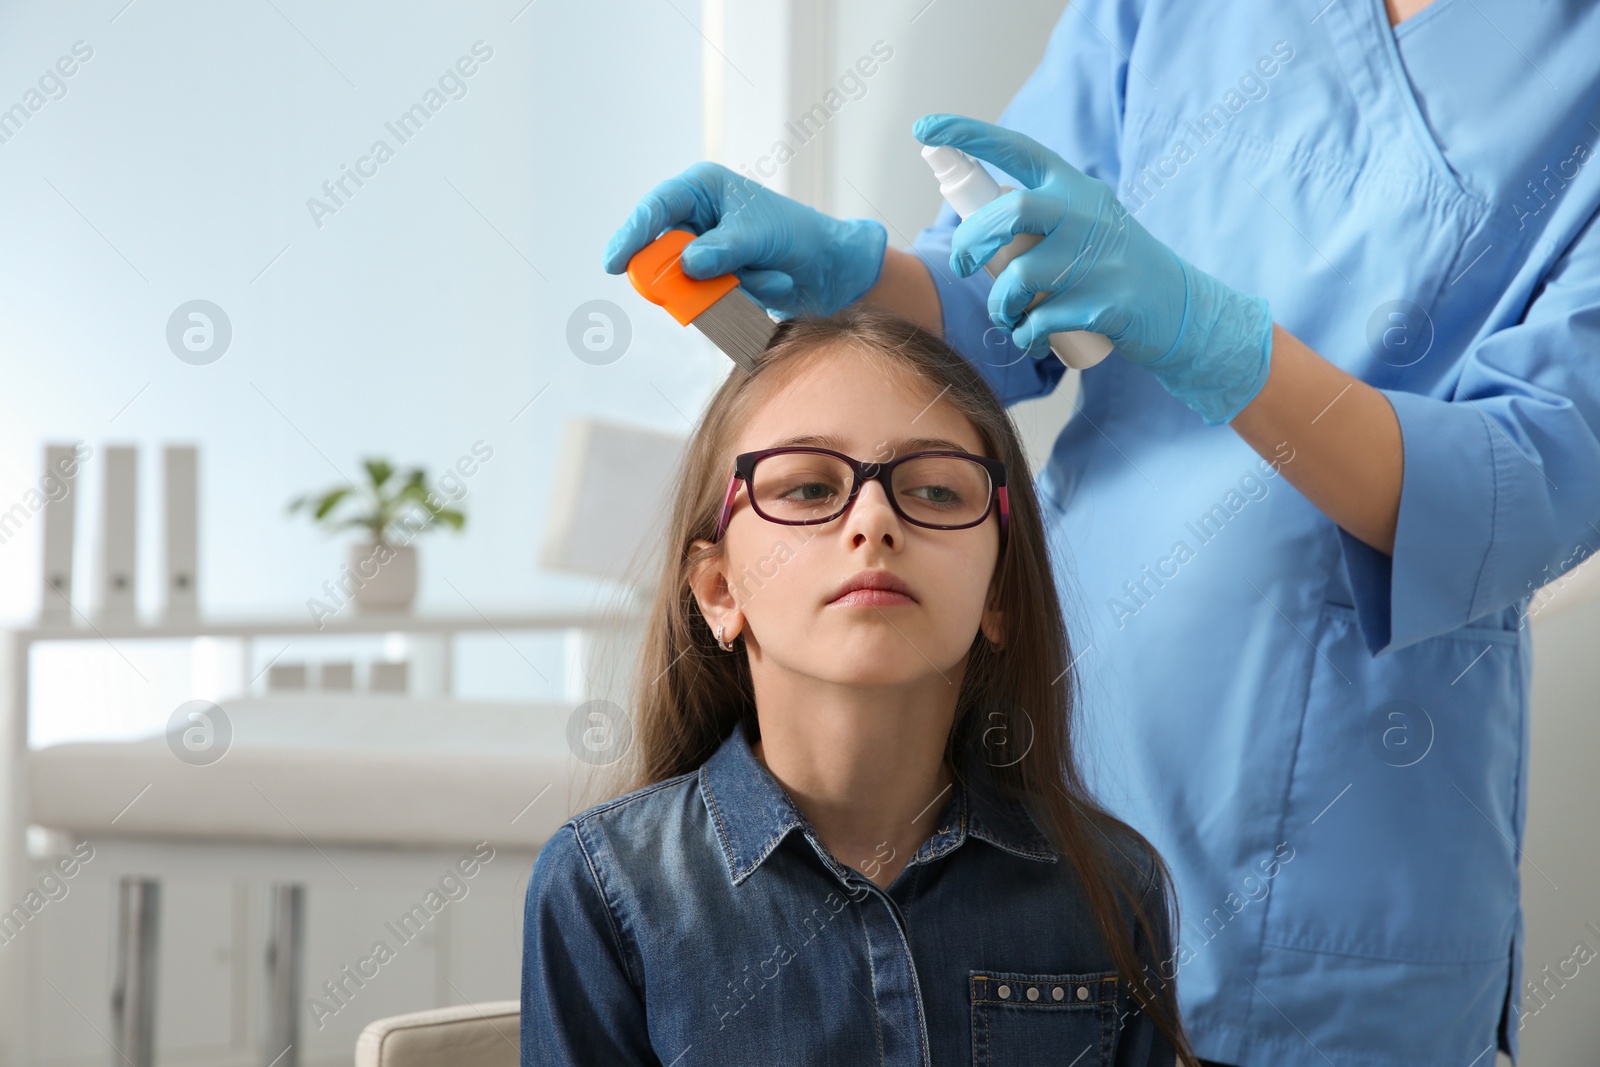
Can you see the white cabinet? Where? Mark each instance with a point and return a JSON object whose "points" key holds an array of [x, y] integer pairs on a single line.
{"points": [[211, 966]]}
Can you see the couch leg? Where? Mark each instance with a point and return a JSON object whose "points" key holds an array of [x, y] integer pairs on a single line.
{"points": [[285, 941], [133, 993]]}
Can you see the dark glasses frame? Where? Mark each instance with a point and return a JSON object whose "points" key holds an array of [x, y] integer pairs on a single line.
{"points": [[744, 466]]}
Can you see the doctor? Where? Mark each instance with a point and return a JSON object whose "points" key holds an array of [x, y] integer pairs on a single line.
{"points": [[1348, 256]]}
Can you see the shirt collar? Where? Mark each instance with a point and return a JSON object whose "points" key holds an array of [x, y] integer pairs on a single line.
{"points": [[753, 813]]}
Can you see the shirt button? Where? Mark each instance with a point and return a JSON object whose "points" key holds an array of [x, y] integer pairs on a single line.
{"points": [[1033, 992], [1058, 993], [1083, 992], [1005, 992]]}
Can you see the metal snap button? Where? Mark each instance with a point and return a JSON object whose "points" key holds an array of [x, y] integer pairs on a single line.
{"points": [[1083, 992], [1058, 993], [1033, 992], [1005, 992]]}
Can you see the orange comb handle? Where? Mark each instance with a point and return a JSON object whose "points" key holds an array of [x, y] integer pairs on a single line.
{"points": [[656, 270]]}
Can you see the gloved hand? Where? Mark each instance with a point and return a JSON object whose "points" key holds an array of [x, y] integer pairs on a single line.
{"points": [[791, 258], [1209, 345]]}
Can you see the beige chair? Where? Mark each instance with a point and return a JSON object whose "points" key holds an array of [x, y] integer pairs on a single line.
{"points": [[470, 1035]]}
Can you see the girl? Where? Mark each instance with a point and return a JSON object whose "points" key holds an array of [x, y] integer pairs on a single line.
{"points": [[854, 831]]}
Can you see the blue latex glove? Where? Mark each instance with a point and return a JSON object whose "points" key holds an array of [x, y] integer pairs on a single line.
{"points": [[791, 258], [1209, 345]]}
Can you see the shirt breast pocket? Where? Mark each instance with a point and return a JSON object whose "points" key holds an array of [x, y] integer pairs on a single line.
{"points": [[1020, 1018]]}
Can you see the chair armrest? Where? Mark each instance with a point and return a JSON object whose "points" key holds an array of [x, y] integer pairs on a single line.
{"points": [[468, 1035]]}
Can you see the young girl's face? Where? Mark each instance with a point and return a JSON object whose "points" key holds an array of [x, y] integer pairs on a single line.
{"points": [[775, 585]]}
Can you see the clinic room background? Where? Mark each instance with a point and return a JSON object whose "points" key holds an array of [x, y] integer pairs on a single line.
{"points": [[222, 296]]}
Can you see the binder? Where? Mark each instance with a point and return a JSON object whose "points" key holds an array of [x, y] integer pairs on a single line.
{"points": [[60, 523], [180, 599], [119, 535]]}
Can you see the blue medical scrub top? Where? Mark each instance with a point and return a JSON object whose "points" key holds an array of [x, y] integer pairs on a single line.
{"points": [[1417, 204]]}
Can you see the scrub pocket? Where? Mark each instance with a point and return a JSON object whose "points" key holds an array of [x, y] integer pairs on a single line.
{"points": [[1020, 1018], [1402, 801]]}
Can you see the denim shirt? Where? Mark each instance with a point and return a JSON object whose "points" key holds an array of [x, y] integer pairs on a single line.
{"points": [[685, 924]]}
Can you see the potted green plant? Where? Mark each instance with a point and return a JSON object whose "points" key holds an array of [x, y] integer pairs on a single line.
{"points": [[393, 510]]}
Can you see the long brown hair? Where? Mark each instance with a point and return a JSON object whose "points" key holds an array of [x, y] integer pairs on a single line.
{"points": [[688, 694]]}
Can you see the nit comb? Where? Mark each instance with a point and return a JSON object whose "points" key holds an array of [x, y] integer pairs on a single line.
{"points": [[717, 307]]}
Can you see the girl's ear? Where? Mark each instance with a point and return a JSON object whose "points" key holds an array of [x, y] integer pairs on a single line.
{"points": [[710, 587]]}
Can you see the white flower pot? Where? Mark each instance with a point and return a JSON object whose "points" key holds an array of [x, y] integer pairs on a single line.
{"points": [[383, 577]]}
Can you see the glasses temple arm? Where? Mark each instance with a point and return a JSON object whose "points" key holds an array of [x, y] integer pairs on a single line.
{"points": [[727, 507]]}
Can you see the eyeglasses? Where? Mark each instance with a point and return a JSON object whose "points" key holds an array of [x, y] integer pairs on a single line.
{"points": [[802, 486]]}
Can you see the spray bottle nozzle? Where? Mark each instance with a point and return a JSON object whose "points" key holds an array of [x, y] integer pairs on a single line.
{"points": [[948, 163], [962, 180]]}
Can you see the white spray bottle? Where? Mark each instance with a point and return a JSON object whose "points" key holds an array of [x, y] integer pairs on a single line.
{"points": [[966, 186]]}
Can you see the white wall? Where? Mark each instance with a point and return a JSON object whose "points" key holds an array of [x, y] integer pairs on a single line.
{"points": [[421, 318], [1561, 861]]}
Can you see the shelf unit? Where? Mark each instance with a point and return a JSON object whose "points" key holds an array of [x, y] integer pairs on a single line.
{"points": [[593, 637]]}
